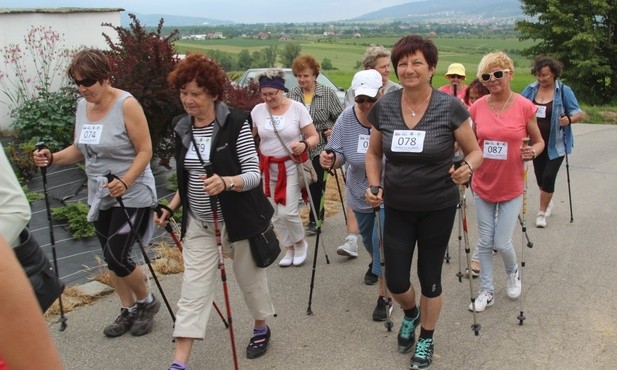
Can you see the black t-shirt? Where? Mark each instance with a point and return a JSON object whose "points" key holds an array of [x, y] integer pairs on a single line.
{"points": [[418, 160]]}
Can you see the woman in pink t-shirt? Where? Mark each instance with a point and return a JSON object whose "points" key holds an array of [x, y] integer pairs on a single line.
{"points": [[502, 120]]}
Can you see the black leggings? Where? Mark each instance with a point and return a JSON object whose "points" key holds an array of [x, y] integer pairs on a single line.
{"points": [[546, 171], [116, 237], [431, 230]]}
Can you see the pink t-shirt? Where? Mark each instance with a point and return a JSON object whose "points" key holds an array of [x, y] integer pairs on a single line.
{"points": [[460, 91], [500, 177]]}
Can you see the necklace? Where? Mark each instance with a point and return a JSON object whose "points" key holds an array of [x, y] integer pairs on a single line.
{"points": [[418, 107], [490, 102], [101, 107]]}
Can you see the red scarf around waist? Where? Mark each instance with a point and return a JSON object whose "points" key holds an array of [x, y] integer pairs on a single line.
{"points": [[280, 190]]}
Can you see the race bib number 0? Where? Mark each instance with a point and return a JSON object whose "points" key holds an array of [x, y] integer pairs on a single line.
{"points": [[91, 134], [363, 140], [541, 112], [203, 144], [409, 141], [496, 150], [277, 123]]}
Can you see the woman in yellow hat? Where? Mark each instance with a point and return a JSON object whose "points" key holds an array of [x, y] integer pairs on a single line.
{"points": [[456, 75]]}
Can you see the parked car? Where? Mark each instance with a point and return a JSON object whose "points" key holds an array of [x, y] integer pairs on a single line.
{"points": [[290, 80]]}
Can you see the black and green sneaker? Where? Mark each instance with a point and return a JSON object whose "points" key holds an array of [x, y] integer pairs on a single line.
{"points": [[407, 333], [423, 357]]}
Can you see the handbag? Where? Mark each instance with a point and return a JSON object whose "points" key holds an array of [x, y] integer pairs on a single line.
{"points": [[45, 283], [265, 247], [306, 171]]}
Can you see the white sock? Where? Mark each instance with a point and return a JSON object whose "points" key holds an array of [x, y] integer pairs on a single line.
{"points": [[148, 299], [353, 236]]}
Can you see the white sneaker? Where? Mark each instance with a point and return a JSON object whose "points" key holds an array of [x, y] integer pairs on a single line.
{"points": [[514, 285], [541, 220], [349, 248], [287, 260], [483, 300], [299, 255], [549, 209]]}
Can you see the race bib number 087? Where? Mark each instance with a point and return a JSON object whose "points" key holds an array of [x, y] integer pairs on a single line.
{"points": [[495, 150]]}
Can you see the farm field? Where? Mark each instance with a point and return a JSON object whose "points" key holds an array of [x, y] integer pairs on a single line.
{"points": [[347, 52]]}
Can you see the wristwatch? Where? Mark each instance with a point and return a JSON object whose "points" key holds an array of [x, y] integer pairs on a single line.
{"points": [[232, 186]]}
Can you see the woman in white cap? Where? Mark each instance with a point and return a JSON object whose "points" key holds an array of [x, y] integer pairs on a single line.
{"points": [[348, 144], [456, 75]]}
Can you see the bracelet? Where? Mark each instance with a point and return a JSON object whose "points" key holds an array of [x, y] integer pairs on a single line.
{"points": [[468, 165], [119, 179], [305, 143], [569, 120]]}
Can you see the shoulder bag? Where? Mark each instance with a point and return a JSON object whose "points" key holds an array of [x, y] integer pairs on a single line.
{"points": [[46, 285], [265, 247]]}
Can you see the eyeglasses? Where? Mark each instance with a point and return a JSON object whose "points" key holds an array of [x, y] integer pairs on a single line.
{"points": [[86, 82], [364, 99], [486, 77], [456, 76], [269, 95]]}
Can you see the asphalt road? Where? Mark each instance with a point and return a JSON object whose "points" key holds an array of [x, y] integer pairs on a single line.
{"points": [[569, 299]]}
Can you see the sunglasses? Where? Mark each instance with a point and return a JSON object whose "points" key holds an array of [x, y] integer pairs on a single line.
{"points": [[456, 76], [486, 77], [364, 99], [86, 82]]}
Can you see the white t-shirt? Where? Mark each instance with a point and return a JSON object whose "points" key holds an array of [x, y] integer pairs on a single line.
{"points": [[289, 126]]}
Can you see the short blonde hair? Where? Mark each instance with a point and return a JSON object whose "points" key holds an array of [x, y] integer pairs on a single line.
{"points": [[373, 53], [496, 59]]}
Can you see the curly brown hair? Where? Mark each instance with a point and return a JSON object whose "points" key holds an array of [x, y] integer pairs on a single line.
{"points": [[545, 61], [303, 62], [204, 70]]}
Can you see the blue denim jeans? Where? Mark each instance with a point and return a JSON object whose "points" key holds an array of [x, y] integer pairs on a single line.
{"points": [[496, 223], [368, 230]]}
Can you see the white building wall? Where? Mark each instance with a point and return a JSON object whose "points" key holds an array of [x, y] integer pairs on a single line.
{"points": [[79, 27]]}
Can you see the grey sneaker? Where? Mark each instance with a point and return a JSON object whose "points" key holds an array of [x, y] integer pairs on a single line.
{"points": [[349, 248], [144, 320], [123, 323]]}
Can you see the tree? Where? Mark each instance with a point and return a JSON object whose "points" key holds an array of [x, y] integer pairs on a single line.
{"points": [[326, 64], [269, 55], [140, 64], [289, 53], [583, 36], [244, 59]]}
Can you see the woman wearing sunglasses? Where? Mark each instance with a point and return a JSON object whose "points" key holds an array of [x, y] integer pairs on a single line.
{"points": [[415, 128], [111, 134], [557, 110], [456, 76], [502, 120], [348, 145]]}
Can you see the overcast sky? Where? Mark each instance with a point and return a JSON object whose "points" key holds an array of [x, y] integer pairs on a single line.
{"points": [[240, 11]]}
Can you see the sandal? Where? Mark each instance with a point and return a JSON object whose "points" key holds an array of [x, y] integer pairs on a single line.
{"points": [[475, 271], [258, 345]]}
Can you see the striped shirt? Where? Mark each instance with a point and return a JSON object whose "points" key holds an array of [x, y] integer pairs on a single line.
{"points": [[350, 140], [199, 202], [324, 109]]}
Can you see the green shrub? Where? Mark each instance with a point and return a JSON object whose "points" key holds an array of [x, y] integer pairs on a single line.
{"points": [[50, 118], [31, 195], [20, 156], [74, 214]]}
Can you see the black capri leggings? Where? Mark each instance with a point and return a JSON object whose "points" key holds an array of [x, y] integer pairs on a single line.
{"points": [[431, 230], [546, 171], [117, 239]]}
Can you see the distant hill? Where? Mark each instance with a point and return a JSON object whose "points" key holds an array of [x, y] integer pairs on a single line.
{"points": [[152, 20], [447, 10]]}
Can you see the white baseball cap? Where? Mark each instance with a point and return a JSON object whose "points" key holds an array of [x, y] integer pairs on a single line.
{"points": [[366, 82]]}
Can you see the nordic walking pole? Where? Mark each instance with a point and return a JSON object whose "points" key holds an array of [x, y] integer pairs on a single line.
{"points": [[529, 242], [565, 148], [52, 240], [459, 274], [174, 237], [462, 213], [110, 177], [521, 316], [382, 261], [217, 232], [447, 257], [309, 311]]}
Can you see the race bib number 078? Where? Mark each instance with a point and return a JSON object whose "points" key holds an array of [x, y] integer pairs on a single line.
{"points": [[409, 141]]}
